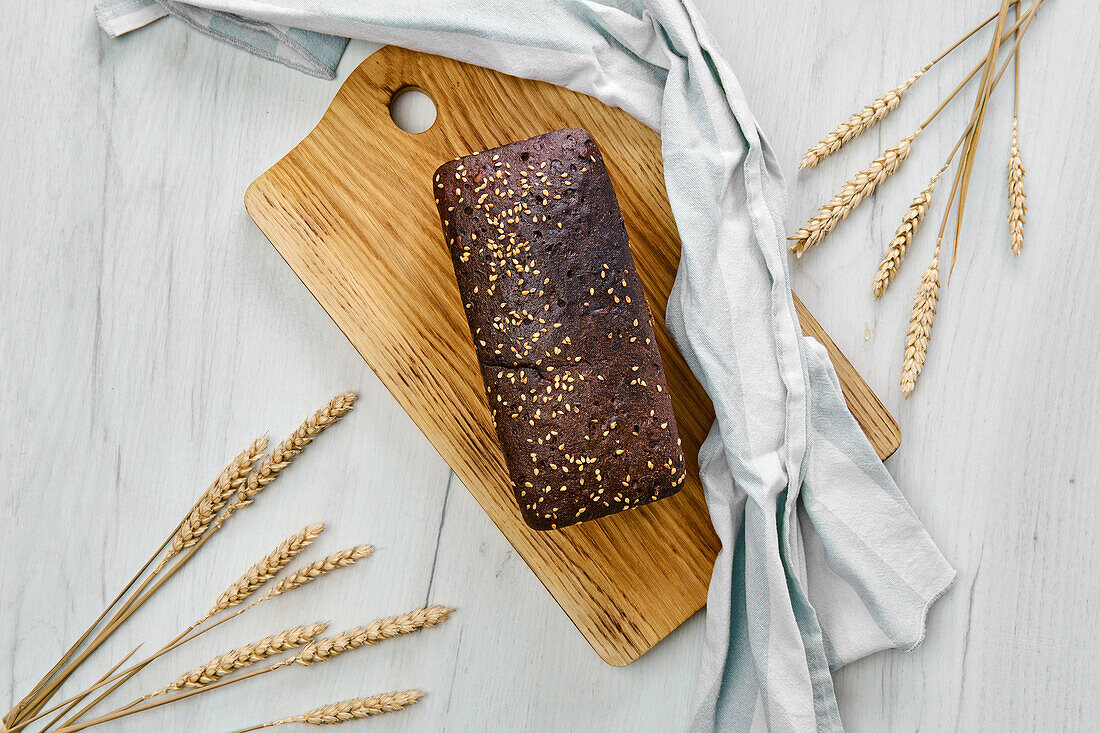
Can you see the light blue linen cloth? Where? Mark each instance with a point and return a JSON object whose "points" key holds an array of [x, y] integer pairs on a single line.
{"points": [[317, 54], [822, 559]]}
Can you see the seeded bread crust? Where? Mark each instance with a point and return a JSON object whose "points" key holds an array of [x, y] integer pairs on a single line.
{"points": [[562, 331]]}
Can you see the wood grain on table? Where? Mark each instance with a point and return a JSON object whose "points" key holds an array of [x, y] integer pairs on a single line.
{"points": [[150, 332]]}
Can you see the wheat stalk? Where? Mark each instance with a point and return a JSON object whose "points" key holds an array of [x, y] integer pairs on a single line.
{"points": [[873, 113], [867, 180], [293, 445], [341, 712], [236, 593], [235, 659], [247, 487], [370, 634], [903, 237], [255, 577], [974, 133], [264, 570], [197, 528], [920, 324], [286, 451], [324, 649], [1017, 199], [859, 123], [854, 191], [294, 580], [213, 499], [876, 111], [311, 572], [187, 533]]}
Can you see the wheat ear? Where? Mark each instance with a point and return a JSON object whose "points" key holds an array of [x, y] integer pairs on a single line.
{"points": [[286, 451], [296, 579], [874, 112], [188, 534], [859, 123], [231, 661], [255, 577], [192, 526], [920, 324], [379, 630], [264, 570], [1017, 199], [903, 237], [370, 634], [341, 712], [293, 445], [238, 592], [213, 499], [854, 191], [315, 570], [268, 469]]}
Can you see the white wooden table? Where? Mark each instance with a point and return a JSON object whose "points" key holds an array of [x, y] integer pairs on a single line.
{"points": [[149, 331]]}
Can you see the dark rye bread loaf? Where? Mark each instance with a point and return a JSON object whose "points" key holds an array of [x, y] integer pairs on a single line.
{"points": [[562, 331]]}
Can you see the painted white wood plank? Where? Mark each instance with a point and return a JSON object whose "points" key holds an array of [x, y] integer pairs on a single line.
{"points": [[150, 331]]}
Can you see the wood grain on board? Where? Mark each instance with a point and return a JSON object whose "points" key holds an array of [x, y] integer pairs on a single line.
{"points": [[351, 211]]}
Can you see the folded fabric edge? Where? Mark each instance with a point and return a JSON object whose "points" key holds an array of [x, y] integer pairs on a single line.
{"points": [[119, 17], [923, 627], [302, 59], [923, 578]]}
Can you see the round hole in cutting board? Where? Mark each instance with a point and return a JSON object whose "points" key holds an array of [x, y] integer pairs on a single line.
{"points": [[412, 110]]}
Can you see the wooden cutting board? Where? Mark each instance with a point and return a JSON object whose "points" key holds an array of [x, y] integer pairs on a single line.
{"points": [[351, 211]]}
